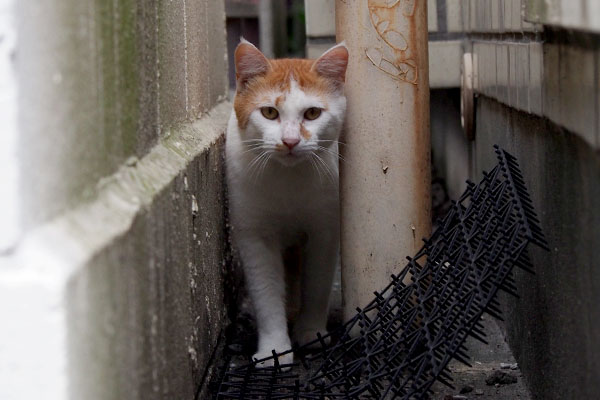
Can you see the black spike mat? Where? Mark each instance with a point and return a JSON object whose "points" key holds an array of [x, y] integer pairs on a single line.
{"points": [[401, 343]]}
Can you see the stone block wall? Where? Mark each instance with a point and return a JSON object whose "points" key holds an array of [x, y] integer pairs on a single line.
{"points": [[114, 289]]}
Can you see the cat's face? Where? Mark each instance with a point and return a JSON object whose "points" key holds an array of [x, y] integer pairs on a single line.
{"points": [[290, 110]]}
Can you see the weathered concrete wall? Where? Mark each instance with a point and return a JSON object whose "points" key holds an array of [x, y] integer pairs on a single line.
{"points": [[554, 327], [124, 287], [101, 81], [116, 288], [538, 97], [159, 293]]}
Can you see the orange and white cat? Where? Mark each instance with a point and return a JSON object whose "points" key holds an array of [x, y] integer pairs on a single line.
{"points": [[282, 177]]}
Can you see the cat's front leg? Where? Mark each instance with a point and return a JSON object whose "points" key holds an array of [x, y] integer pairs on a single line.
{"points": [[322, 257], [263, 268]]}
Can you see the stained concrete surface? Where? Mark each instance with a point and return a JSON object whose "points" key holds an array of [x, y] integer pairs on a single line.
{"points": [[553, 329], [485, 359], [103, 81], [123, 296]]}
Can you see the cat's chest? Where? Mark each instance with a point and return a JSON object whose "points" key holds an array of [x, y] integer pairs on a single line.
{"points": [[288, 203], [291, 195]]}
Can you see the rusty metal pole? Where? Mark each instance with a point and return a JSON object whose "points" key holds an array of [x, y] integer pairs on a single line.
{"points": [[385, 178]]}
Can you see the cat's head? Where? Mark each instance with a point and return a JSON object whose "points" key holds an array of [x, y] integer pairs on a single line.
{"points": [[290, 108]]}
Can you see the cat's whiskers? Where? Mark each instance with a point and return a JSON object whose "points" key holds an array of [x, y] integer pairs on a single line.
{"points": [[263, 166], [252, 147], [259, 164], [253, 164], [259, 144], [253, 140], [332, 152], [316, 166], [326, 168]]}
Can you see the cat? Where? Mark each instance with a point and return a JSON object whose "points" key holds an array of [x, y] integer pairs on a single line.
{"points": [[282, 177]]}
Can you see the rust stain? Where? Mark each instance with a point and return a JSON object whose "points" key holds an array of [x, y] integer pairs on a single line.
{"points": [[421, 156], [396, 55]]}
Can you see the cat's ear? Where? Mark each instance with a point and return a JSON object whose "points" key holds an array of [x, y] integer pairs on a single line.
{"points": [[249, 63], [332, 64]]}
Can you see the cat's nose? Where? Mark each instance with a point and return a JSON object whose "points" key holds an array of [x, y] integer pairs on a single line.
{"points": [[291, 142]]}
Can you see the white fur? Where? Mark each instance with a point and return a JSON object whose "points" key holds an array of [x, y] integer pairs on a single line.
{"points": [[274, 197]]}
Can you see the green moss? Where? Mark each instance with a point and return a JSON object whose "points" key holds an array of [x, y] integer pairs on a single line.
{"points": [[117, 33], [128, 69], [538, 9], [99, 61]]}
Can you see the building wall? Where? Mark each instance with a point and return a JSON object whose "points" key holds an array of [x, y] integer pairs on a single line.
{"points": [[114, 289], [553, 328], [537, 91]]}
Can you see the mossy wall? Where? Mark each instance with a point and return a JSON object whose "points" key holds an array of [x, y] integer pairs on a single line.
{"points": [[122, 111], [101, 81]]}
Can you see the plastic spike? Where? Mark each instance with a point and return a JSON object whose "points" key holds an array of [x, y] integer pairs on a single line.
{"points": [[409, 332]]}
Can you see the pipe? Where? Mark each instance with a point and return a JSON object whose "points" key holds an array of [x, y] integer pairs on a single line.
{"points": [[385, 177]]}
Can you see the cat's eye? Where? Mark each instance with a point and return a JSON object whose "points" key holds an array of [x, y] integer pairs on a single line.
{"points": [[269, 112], [312, 113]]}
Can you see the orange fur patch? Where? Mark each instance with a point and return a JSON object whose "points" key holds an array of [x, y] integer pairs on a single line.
{"points": [[278, 78], [304, 132], [279, 100]]}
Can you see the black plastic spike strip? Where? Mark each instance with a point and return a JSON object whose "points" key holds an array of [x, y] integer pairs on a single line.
{"points": [[402, 341]]}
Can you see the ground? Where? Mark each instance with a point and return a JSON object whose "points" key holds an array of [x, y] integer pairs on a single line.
{"points": [[485, 359], [495, 357]]}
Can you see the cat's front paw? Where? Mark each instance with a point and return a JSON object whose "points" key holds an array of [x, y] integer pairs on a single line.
{"points": [[266, 350], [283, 359]]}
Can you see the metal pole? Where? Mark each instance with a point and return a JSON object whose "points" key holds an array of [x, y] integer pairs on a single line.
{"points": [[385, 178]]}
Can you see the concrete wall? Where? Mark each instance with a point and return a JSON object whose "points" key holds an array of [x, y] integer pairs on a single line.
{"points": [[114, 289], [103, 81], [537, 96], [554, 327]]}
